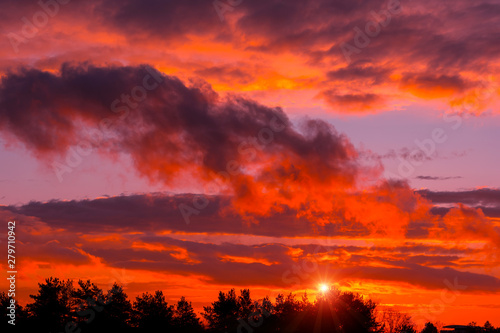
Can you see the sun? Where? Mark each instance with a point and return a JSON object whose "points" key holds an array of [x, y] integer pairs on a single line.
{"points": [[324, 287]]}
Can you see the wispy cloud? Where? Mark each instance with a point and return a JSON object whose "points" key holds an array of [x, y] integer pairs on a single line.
{"points": [[437, 178]]}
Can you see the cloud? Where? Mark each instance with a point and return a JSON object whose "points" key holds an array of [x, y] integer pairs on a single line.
{"points": [[466, 214], [295, 179], [247, 159], [170, 21], [355, 101], [437, 178], [416, 155], [478, 197], [360, 72], [181, 135], [158, 212], [424, 50], [393, 213], [234, 144], [433, 86], [269, 265]]}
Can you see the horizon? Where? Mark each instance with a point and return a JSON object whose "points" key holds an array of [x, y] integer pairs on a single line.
{"points": [[275, 146], [384, 315]]}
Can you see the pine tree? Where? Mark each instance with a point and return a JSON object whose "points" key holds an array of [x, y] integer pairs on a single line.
{"points": [[54, 306], [152, 312], [185, 318]]}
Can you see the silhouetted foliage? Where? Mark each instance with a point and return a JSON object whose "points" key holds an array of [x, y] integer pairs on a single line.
{"points": [[393, 321], [185, 319], [347, 312], [223, 314], [333, 312], [90, 304], [152, 311], [117, 310], [488, 328], [59, 307], [289, 314], [430, 328], [54, 306]]}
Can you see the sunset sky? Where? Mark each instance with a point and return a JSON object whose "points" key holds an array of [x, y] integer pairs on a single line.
{"points": [[196, 146]]}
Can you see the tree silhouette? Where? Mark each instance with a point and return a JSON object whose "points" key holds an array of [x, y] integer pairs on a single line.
{"points": [[488, 328], [246, 305], [222, 315], [87, 294], [59, 307], [152, 311], [90, 302], [346, 312], [54, 306], [117, 310], [290, 314], [393, 321], [185, 319], [287, 306], [430, 328]]}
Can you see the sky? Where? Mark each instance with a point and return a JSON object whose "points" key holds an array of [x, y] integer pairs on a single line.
{"points": [[196, 146]]}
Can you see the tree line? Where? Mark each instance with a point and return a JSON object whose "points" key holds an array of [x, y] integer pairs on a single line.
{"points": [[59, 306]]}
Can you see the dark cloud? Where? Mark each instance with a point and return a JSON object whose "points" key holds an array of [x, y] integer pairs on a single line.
{"points": [[153, 212], [437, 178], [425, 48], [426, 32], [262, 264], [488, 211], [174, 129], [170, 21], [433, 85], [269, 264], [211, 266], [480, 197], [355, 101], [357, 71], [427, 277], [412, 154]]}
